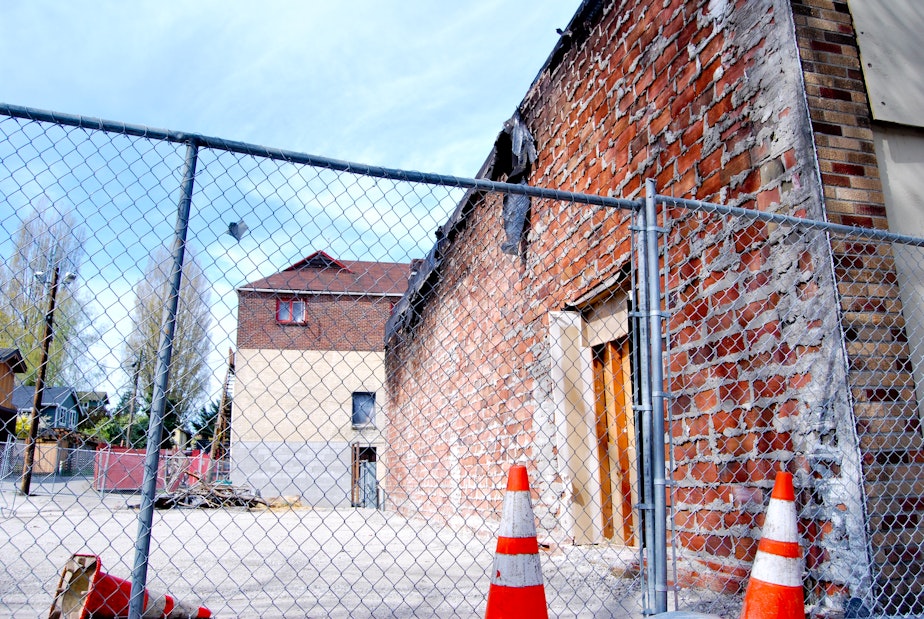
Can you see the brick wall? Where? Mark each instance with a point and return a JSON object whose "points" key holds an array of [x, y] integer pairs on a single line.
{"points": [[334, 322], [707, 98], [880, 379]]}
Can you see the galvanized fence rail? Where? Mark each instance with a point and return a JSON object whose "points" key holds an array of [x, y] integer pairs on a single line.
{"points": [[348, 457]]}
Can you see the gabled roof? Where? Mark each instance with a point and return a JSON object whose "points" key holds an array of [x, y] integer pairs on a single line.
{"points": [[13, 358], [320, 273], [93, 397], [23, 396], [318, 260]]}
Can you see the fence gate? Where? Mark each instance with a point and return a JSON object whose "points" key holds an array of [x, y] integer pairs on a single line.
{"points": [[398, 340]]}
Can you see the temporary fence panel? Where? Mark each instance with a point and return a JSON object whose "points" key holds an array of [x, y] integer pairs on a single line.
{"points": [[297, 267], [399, 340], [795, 345]]}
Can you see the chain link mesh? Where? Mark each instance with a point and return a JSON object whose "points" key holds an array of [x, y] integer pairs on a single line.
{"points": [[794, 347], [345, 396]]}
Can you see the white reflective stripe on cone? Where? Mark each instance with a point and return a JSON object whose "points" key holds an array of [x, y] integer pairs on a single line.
{"points": [[517, 517], [777, 570], [780, 521], [183, 610], [157, 603], [516, 571]]}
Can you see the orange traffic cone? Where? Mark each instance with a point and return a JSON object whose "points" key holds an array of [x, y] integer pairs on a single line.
{"points": [[516, 581], [775, 588], [85, 592]]}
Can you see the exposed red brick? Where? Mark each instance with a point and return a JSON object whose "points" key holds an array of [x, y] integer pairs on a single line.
{"points": [[737, 376]]}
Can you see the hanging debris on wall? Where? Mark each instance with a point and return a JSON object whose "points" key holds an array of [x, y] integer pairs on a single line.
{"points": [[510, 161], [515, 152], [514, 214]]}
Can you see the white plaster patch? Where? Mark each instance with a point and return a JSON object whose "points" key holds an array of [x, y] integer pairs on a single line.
{"points": [[717, 9]]}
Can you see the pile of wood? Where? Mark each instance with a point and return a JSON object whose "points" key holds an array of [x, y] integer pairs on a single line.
{"points": [[205, 493], [209, 496]]}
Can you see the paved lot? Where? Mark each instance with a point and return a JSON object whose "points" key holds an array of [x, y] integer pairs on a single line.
{"points": [[283, 562]]}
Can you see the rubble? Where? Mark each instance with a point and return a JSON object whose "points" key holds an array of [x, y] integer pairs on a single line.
{"points": [[209, 496]]}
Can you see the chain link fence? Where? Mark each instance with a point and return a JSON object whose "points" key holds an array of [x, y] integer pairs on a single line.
{"points": [[806, 358], [351, 374]]}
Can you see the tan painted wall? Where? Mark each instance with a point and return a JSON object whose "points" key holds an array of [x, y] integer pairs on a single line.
{"points": [[297, 396], [608, 321], [889, 35], [900, 152]]}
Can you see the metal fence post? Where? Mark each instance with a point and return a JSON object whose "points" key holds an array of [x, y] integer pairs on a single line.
{"points": [[643, 351], [161, 378], [655, 339]]}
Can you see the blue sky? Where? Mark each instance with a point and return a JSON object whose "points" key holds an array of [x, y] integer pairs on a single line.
{"points": [[411, 84]]}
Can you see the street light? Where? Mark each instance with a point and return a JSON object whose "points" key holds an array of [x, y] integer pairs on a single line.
{"points": [[47, 335]]}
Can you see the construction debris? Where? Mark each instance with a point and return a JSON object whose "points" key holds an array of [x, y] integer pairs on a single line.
{"points": [[209, 496]]}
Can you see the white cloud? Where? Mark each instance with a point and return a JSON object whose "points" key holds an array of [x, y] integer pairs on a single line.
{"points": [[392, 83]]}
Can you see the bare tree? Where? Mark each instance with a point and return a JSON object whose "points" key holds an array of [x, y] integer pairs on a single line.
{"points": [[189, 372], [48, 238]]}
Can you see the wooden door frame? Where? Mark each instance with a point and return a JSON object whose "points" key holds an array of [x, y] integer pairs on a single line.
{"points": [[615, 430]]}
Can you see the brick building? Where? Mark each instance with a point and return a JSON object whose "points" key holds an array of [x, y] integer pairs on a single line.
{"points": [[789, 349], [309, 373]]}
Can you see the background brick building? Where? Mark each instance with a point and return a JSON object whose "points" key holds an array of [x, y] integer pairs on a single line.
{"points": [[789, 349], [309, 374]]}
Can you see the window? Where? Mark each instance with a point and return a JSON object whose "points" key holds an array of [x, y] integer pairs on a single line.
{"points": [[290, 311], [63, 418], [363, 409]]}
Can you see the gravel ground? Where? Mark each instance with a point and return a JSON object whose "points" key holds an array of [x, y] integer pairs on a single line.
{"points": [[285, 562]]}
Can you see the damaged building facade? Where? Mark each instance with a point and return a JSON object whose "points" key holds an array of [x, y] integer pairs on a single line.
{"points": [[789, 349]]}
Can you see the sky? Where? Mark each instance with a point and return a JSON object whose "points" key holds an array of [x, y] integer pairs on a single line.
{"points": [[414, 85], [411, 84]]}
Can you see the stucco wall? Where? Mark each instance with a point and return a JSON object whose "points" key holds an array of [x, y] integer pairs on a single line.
{"points": [[292, 422], [294, 396], [900, 153], [318, 474]]}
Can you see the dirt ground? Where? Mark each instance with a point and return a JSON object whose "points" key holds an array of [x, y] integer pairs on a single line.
{"points": [[287, 562]]}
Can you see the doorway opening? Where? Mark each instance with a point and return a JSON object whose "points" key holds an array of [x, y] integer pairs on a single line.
{"points": [[364, 485]]}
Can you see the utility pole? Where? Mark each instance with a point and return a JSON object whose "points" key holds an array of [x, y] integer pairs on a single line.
{"points": [[127, 439], [47, 335]]}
